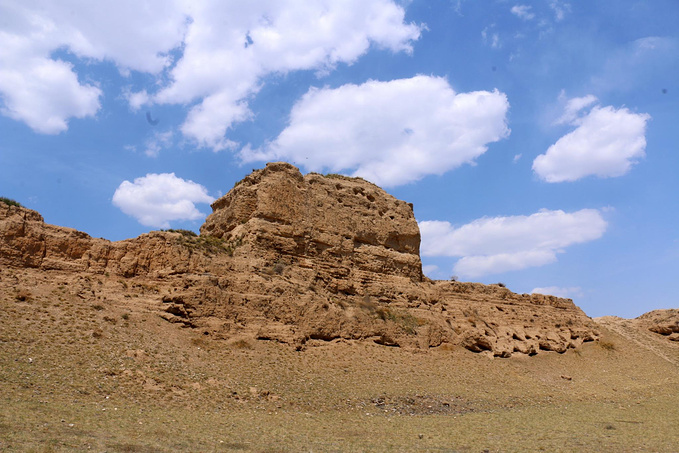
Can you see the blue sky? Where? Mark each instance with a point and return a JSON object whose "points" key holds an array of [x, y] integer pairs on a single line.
{"points": [[536, 139]]}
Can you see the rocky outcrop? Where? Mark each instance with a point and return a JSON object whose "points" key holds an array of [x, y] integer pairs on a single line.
{"points": [[298, 259], [27, 241], [662, 322], [339, 222]]}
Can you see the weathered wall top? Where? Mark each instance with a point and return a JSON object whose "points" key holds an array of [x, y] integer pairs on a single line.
{"points": [[316, 215]]}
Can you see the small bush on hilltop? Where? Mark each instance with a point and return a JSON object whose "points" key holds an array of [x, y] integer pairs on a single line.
{"points": [[187, 233], [10, 202]]}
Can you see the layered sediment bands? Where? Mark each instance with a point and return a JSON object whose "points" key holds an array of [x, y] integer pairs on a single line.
{"points": [[329, 221], [301, 259]]}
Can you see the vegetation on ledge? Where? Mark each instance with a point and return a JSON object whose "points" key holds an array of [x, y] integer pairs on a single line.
{"points": [[10, 202]]}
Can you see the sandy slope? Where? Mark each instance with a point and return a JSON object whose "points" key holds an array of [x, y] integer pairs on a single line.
{"points": [[78, 373], [639, 332], [300, 321]]}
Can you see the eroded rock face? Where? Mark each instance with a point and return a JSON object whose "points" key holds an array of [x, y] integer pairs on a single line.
{"points": [[27, 241], [340, 221], [298, 259], [663, 322]]}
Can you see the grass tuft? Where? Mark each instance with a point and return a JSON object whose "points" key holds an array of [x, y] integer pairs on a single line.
{"points": [[241, 344], [607, 345], [183, 232], [10, 202], [210, 244]]}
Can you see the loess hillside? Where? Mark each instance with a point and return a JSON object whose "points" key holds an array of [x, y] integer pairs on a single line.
{"points": [[292, 258], [299, 320]]}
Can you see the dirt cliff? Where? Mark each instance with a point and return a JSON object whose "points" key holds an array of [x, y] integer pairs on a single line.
{"points": [[660, 325], [662, 322], [294, 259]]}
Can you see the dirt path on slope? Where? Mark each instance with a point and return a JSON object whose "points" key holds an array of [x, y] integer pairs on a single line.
{"points": [[637, 332]]}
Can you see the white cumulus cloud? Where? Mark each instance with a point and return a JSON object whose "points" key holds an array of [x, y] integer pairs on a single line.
{"points": [[390, 133], [557, 291], [231, 46], [44, 94], [137, 99], [498, 244], [44, 91], [211, 55], [157, 199], [606, 143], [573, 107], [522, 12]]}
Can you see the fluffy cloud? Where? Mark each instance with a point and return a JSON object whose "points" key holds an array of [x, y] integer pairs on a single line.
{"points": [[44, 94], [522, 12], [606, 143], [44, 91], [389, 132], [157, 199], [226, 50], [574, 107], [499, 244], [571, 292], [245, 41]]}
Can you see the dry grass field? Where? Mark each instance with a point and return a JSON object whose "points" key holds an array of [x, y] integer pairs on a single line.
{"points": [[82, 373]]}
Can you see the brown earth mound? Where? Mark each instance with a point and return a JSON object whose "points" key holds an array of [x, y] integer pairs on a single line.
{"points": [[656, 331], [663, 322], [295, 259]]}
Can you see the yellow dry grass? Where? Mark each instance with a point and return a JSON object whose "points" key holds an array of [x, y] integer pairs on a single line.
{"points": [[105, 373]]}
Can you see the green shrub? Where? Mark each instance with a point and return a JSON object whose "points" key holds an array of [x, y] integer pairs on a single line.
{"points": [[399, 317], [211, 244], [187, 233], [337, 176], [10, 202]]}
